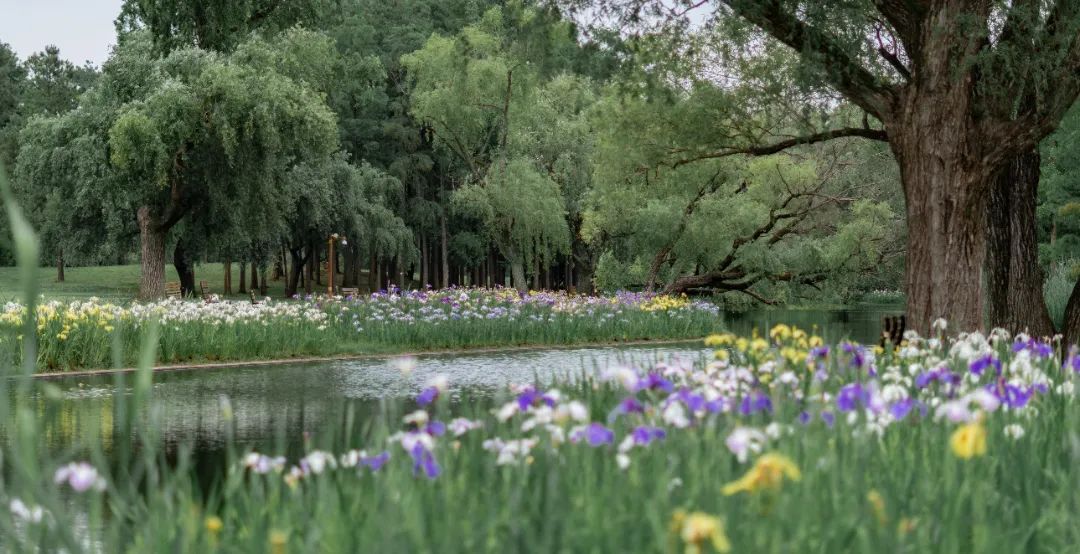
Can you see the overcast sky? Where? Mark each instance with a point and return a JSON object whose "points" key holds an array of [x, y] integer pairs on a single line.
{"points": [[83, 29]]}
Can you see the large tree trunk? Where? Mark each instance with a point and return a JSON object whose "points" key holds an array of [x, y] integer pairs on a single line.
{"points": [[254, 277], [152, 256], [946, 187], [60, 265], [243, 278], [185, 270], [1014, 277], [1071, 325]]}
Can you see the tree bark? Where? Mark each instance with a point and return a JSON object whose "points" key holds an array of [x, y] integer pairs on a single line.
{"points": [[309, 279], [1071, 324], [152, 256], [444, 253], [1014, 277], [185, 270], [946, 187], [227, 289], [296, 268], [517, 274], [243, 278], [262, 283], [60, 265]]}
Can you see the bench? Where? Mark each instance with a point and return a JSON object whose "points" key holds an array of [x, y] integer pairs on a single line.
{"points": [[172, 290], [204, 291], [892, 330], [349, 291]]}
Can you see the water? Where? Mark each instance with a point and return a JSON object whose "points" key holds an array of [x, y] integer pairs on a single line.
{"points": [[277, 405]]}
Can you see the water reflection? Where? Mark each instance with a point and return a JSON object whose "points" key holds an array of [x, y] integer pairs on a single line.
{"points": [[278, 405]]}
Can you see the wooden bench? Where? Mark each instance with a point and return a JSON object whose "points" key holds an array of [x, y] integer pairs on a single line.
{"points": [[892, 330], [205, 292], [349, 291], [172, 290]]}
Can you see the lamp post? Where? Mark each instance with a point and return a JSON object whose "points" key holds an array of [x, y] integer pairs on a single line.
{"points": [[331, 258]]}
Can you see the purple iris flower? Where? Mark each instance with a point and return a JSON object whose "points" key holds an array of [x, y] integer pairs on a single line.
{"points": [[819, 352], [828, 418], [805, 417], [755, 402], [527, 397], [597, 435], [1039, 348], [1011, 395], [549, 400], [427, 396], [644, 435], [423, 460], [1074, 363], [630, 405], [901, 408], [715, 406], [655, 381], [851, 396], [376, 462], [695, 402], [980, 364], [436, 428], [857, 352]]}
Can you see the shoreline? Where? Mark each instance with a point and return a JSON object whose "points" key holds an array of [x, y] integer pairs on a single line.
{"points": [[350, 357]]}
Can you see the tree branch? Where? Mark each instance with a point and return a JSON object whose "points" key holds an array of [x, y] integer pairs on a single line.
{"points": [[768, 149], [851, 79], [905, 17]]}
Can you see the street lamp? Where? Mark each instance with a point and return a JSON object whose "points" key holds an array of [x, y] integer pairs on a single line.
{"points": [[331, 258]]}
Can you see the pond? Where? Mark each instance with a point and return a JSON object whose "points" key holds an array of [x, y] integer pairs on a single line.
{"points": [[281, 404]]}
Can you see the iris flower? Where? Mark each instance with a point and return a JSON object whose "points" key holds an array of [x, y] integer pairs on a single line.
{"points": [[768, 473], [969, 441], [697, 529]]}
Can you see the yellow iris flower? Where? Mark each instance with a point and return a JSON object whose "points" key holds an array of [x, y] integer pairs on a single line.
{"points": [[768, 473], [698, 528], [968, 441]]}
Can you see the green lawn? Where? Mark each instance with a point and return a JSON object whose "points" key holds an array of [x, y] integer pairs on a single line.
{"points": [[116, 282]]}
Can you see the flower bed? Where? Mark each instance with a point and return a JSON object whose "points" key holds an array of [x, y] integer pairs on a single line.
{"points": [[780, 444], [81, 334]]}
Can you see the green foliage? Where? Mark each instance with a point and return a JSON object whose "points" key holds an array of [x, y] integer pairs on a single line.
{"points": [[774, 223]]}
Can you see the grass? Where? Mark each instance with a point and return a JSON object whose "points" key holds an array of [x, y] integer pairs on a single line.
{"points": [[900, 488], [118, 282]]}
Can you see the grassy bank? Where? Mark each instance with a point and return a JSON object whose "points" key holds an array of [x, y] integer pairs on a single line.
{"points": [[96, 334], [117, 282], [778, 446]]}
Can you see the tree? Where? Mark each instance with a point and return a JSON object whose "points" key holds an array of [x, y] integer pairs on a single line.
{"points": [[194, 132], [766, 228], [962, 88], [509, 118], [213, 24]]}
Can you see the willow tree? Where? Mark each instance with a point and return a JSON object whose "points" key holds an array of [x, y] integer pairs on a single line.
{"points": [[515, 130], [962, 88], [763, 229], [193, 134]]}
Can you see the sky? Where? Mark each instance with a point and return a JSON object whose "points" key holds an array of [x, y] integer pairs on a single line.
{"points": [[82, 29]]}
